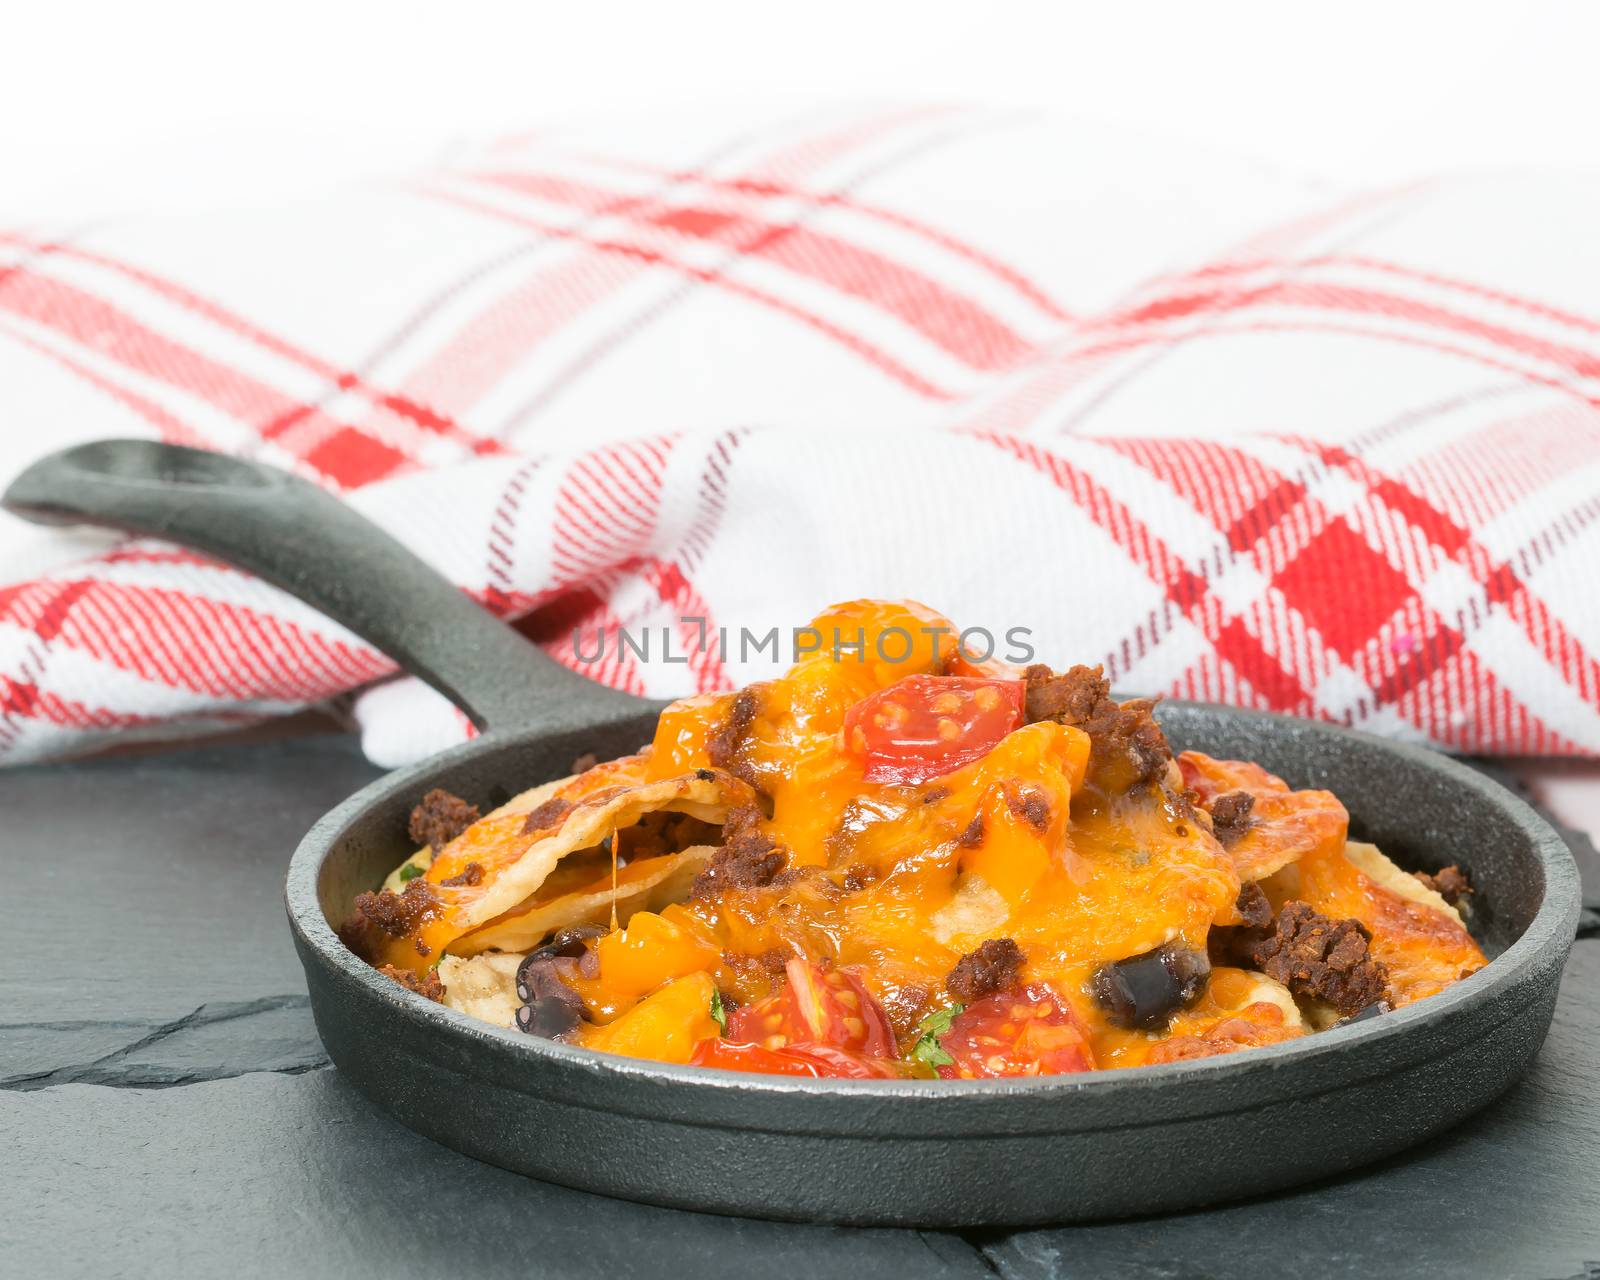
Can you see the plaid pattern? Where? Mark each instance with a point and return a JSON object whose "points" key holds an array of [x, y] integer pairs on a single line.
{"points": [[1237, 436]]}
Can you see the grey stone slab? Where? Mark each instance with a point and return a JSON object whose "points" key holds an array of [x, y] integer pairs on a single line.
{"points": [[146, 893], [214, 1042], [271, 1175], [153, 885]]}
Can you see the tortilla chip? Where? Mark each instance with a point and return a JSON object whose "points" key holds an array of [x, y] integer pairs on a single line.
{"points": [[1240, 1010], [1416, 935], [648, 885], [1285, 825], [526, 802], [1255, 988], [482, 987], [1372, 863], [976, 909], [498, 863]]}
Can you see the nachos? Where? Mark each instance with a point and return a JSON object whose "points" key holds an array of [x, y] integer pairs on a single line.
{"points": [[896, 862]]}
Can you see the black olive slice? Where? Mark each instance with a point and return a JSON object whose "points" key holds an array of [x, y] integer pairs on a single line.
{"points": [[541, 967], [548, 1016], [1376, 1009], [1142, 992]]}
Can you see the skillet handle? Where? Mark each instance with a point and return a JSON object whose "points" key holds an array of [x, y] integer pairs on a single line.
{"points": [[290, 533]]}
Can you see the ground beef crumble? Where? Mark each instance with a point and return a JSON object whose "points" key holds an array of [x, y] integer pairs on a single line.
{"points": [[426, 985], [972, 836], [1319, 958], [904, 1007], [1230, 816], [547, 815], [858, 877], [1232, 945], [748, 859], [725, 746], [995, 966], [440, 818], [470, 874], [1253, 906], [658, 834], [1450, 883], [1030, 805], [396, 914], [766, 965], [1127, 745]]}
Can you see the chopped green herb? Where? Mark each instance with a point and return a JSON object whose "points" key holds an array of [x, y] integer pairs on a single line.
{"points": [[719, 1015], [928, 1049], [409, 872]]}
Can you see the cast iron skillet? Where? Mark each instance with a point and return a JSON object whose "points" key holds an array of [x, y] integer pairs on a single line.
{"points": [[912, 1153]]}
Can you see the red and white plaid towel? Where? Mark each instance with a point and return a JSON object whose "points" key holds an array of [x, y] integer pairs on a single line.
{"points": [[1236, 436]]}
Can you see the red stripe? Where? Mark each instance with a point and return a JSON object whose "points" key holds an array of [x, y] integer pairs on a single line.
{"points": [[27, 701], [170, 428], [606, 509], [872, 355], [221, 650], [508, 331], [1098, 351], [502, 537], [952, 322], [1442, 642], [20, 695], [153, 553], [1343, 298], [1186, 590], [674, 589], [1500, 580], [1276, 687], [1242, 497], [1530, 306], [116, 335], [702, 530], [769, 189], [345, 379]]}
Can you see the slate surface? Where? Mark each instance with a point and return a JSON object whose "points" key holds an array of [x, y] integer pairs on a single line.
{"points": [[166, 1109]]}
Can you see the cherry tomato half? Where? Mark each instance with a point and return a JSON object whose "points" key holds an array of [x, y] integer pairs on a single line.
{"points": [[754, 1058], [818, 1061], [819, 1007], [925, 726], [1032, 1032]]}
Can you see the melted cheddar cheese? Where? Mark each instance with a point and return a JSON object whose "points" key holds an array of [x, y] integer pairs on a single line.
{"points": [[1016, 844], [881, 866]]}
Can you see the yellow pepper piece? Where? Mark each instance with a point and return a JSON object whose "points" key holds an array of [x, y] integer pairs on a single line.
{"points": [[638, 959], [664, 1027]]}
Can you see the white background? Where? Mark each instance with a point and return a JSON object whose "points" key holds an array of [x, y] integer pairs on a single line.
{"points": [[134, 105]]}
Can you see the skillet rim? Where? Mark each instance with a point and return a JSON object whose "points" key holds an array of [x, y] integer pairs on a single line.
{"points": [[1397, 1039]]}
